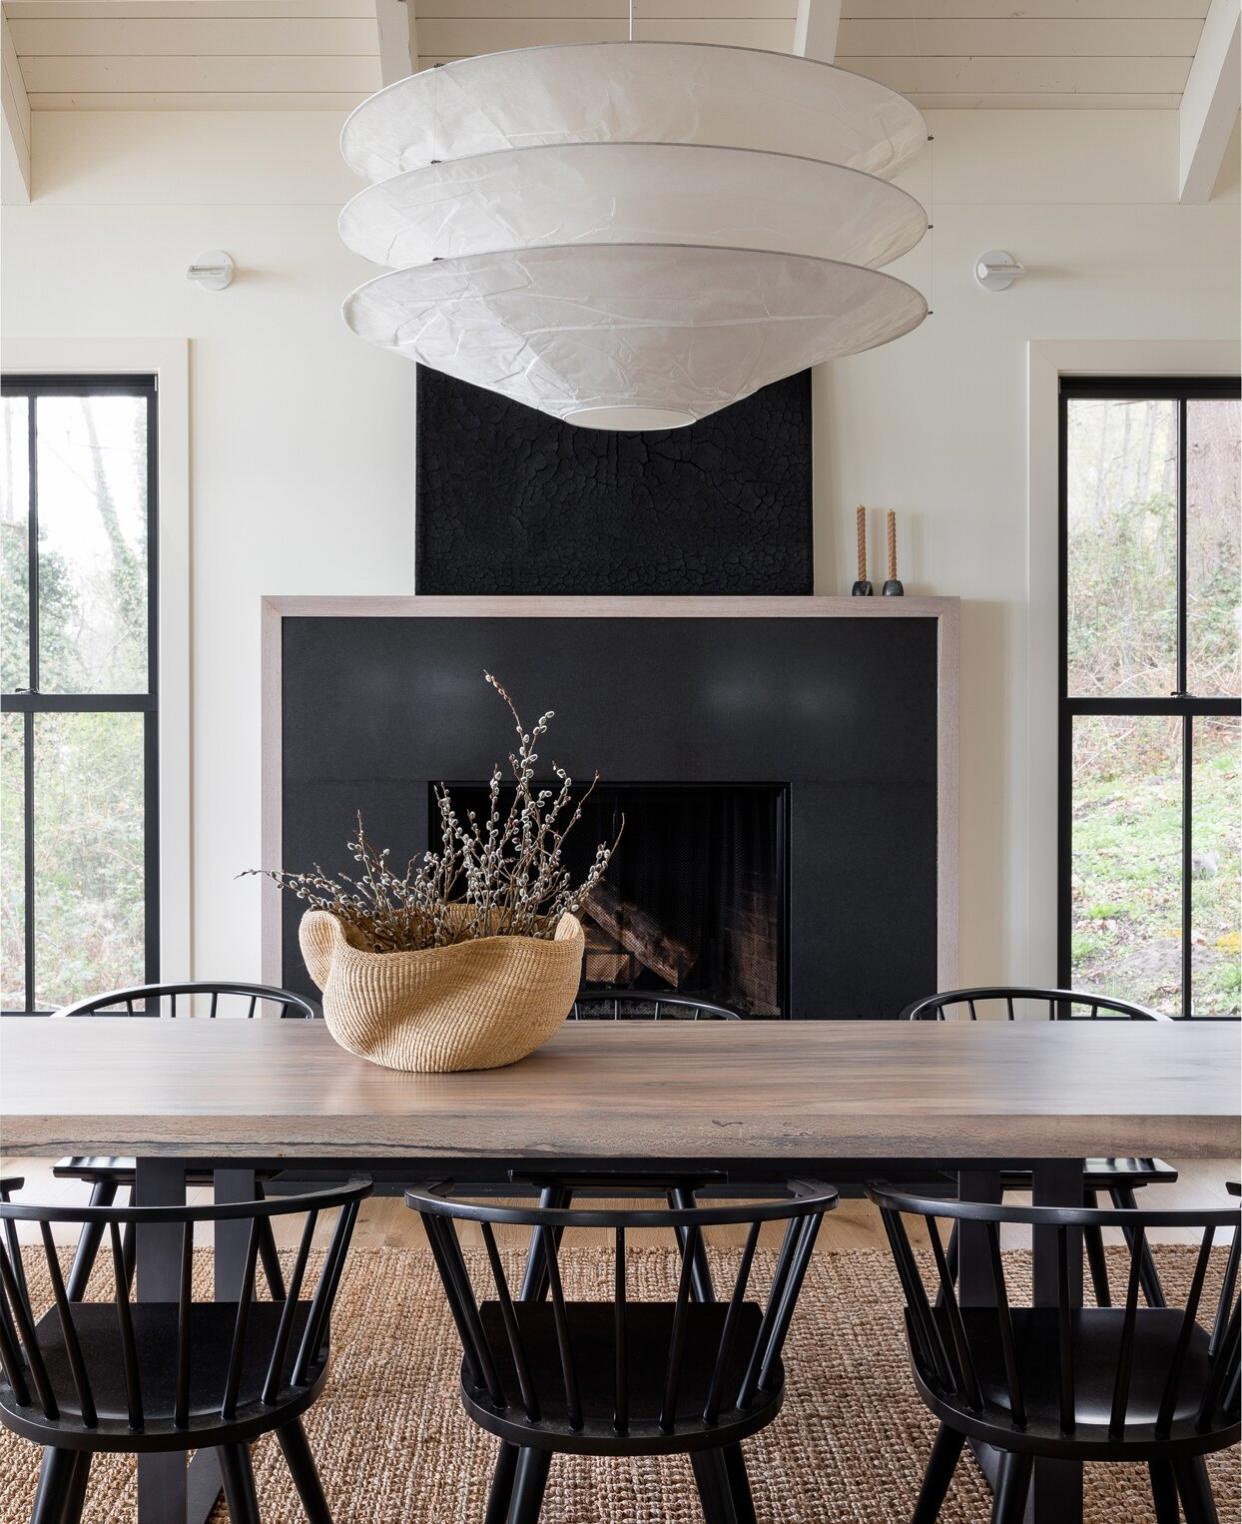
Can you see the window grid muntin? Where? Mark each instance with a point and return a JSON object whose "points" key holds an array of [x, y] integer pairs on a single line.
{"points": [[1179, 703], [30, 702]]}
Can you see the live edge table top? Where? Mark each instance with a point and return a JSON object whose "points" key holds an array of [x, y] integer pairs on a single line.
{"points": [[772, 1092]]}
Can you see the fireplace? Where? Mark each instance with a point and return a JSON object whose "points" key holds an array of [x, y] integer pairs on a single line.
{"points": [[786, 767], [694, 902]]}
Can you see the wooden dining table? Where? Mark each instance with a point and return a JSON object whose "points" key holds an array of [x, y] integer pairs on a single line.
{"points": [[843, 1100]]}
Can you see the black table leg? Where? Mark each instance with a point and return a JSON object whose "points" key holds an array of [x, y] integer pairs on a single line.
{"points": [[230, 1261], [159, 1182], [1056, 1489], [974, 1274]]}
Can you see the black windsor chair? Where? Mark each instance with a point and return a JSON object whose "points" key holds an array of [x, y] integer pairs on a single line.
{"points": [[1120, 1178], [646, 1005], [84, 1377], [1111, 1384], [107, 1173], [630, 1005], [622, 1377]]}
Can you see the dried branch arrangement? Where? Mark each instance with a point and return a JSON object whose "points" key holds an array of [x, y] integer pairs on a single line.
{"points": [[499, 876]]}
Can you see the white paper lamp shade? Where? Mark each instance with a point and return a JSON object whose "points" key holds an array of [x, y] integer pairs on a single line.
{"points": [[632, 193], [634, 92], [631, 336]]}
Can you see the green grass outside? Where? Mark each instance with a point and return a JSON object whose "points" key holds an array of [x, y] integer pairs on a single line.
{"points": [[1127, 937]]}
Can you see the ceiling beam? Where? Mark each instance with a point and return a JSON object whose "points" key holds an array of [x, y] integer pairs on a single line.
{"points": [[815, 31], [398, 49], [15, 128], [1210, 102]]}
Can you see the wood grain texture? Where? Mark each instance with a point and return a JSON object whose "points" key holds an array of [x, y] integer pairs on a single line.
{"points": [[785, 1093]]}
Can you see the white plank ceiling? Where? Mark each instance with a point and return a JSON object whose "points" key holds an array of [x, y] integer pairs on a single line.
{"points": [[230, 54]]}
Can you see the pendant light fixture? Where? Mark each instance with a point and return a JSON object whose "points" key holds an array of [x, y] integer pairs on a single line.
{"points": [[632, 235]]}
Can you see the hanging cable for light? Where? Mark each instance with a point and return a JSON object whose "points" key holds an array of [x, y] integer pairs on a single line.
{"points": [[632, 235]]}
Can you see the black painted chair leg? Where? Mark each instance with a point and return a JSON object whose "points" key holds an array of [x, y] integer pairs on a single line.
{"points": [[56, 1478], [951, 1255], [1123, 1199], [680, 1199], [103, 1193], [711, 1476], [941, 1465], [535, 1278], [76, 1504], [500, 1494], [528, 1485], [269, 1255], [1195, 1491], [301, 1463], [1093, 1242], [1012, 1485], [1164, 1492], [739, 1484], [238, 1476]]}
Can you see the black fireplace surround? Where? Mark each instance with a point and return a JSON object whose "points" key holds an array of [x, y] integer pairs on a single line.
{"points": [[835, 717]]}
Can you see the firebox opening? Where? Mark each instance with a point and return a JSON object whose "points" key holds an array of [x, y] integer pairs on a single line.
{"points": [[694, 902]]}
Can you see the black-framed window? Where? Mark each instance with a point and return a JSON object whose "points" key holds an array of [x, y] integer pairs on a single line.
{"points": [[1150, 794], [79, 849]]}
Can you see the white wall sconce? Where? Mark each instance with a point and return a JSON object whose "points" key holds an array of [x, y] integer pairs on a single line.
{"points": [[213, 271], [997, 270]]}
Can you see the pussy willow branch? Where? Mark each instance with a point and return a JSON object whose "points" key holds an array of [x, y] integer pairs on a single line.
{"points": [[504, 876]]}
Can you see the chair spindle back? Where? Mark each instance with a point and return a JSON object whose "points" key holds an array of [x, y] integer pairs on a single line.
{"points": [[644, 1005], [949, 1344], [746, 1350], [293, 1353], [1054, 1005], [220, 999]]}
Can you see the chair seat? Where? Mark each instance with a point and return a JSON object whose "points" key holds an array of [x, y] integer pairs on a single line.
{"points": [[155, 1338], [118, 1168], [94, 1167], [648, 1339], [1096, 1345], [1105, 1174]]}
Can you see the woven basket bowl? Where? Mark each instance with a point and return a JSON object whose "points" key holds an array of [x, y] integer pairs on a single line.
{"points": [[475, 1005]]}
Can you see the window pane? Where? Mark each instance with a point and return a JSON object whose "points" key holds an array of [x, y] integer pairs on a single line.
{"points": [[1126, 878], [92, 483], [14, 527], [1121, 528], [1216, 803], [88, 808], [1213, 533], [12, 865]]}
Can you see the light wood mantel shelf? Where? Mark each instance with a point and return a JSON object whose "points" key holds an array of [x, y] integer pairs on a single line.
{"points": [[785, 1092]]}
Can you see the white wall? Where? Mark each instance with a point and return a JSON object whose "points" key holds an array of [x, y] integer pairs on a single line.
{"points": [[302, 437]]}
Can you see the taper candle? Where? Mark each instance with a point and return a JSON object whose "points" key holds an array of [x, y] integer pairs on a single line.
{"points": [[892, 588], [862, 588]]}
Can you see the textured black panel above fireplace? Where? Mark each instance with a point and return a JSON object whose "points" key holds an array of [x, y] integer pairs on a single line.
{"points": [[509, 500], [835, 719]]}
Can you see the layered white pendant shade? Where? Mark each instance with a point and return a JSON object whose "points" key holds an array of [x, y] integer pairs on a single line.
{"points": [[632, 235], [587, 331], [632, 193]]}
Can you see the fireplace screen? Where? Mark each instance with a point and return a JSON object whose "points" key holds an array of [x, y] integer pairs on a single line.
{"points": [[694, 901]]}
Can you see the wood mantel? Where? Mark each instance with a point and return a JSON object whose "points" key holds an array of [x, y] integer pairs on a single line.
{"points": [[944, 611]]}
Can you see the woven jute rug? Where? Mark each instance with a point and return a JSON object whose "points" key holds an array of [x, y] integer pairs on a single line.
{"points": [[393, 1446]]}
